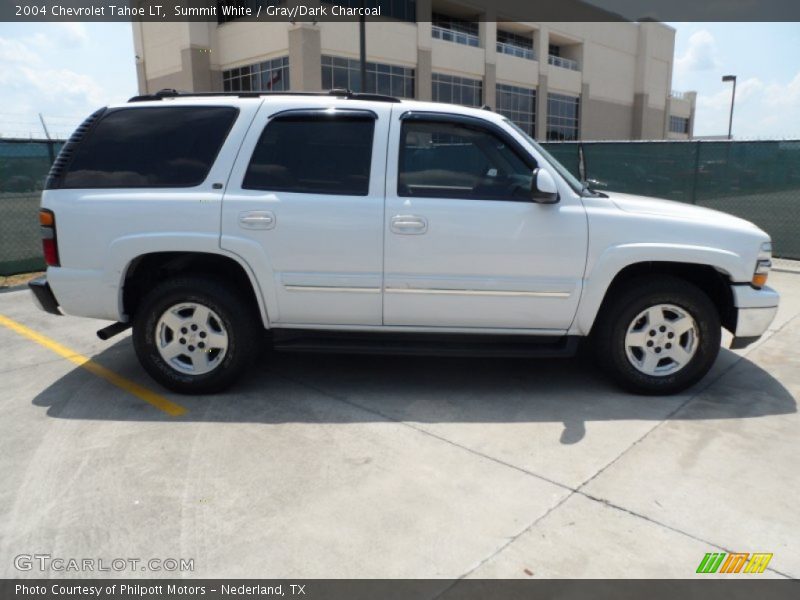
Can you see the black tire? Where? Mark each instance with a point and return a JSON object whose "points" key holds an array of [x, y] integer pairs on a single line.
{"points": [[630, 300], [239, 320]]}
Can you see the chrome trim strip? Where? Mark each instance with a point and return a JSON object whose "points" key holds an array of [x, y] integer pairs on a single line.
{"points": [[439, 291], [331, 288]]}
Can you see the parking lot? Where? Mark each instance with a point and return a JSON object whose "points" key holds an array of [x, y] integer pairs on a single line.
{"points": [[380, 466]]}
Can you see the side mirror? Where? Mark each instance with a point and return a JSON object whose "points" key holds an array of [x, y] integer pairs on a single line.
{"points": [[543, 187]]}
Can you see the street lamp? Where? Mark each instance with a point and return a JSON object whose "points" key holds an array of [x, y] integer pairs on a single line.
{"points": [[725, 79]]}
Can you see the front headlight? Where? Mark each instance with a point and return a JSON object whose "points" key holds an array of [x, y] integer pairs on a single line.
{"points": [[763, 265]]}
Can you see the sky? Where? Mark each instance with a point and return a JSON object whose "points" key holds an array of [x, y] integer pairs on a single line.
{"points": [[66, 70], [765, 57]]}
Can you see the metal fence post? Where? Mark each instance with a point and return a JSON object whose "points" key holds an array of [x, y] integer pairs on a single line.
{"points": [[696, 171]]}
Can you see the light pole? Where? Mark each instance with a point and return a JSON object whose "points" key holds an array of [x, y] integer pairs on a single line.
{"points": [[362, 47], [725, 79]]}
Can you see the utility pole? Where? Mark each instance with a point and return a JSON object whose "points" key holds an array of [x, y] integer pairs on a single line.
{"points": [[362, 33], [44, 126]]}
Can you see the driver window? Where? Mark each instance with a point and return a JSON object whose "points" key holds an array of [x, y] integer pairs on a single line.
{"points": [[453, 160]]}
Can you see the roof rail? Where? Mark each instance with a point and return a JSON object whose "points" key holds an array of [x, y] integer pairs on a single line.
{"points": [[339, 93]]}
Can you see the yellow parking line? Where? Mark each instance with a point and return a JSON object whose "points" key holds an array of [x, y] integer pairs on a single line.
{"points": [[87, 363]]}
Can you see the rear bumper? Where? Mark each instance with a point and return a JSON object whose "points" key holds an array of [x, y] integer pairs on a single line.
{"points": [[755, 311], [43, 295]]}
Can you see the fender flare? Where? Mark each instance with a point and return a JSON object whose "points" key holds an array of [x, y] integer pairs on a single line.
{"points": [[123, 251], [601, 274]]}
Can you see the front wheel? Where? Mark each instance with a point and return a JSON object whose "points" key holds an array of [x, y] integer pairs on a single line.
{"points": [[658, 335], [195, 335]]}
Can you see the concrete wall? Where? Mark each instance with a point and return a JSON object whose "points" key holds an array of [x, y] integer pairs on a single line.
{"points": [[456, 59], [605, 120], [305, 58], [241, 43], [392, 43]]}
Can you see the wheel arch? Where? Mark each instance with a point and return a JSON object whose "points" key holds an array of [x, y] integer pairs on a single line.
{"points": [[712, 279], [144, 271]]}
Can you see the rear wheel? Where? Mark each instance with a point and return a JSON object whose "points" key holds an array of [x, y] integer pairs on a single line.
{"points": [[658, 335], [195, 335]]}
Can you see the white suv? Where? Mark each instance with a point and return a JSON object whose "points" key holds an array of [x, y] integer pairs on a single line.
{"points": [[360, 223]]}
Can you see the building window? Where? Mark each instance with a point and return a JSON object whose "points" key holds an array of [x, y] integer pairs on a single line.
{"points": [[345, 73], [562, 117], [453, 29], [519, 105], [268, 76], [457, 90], [678, 124], [515, 44]]}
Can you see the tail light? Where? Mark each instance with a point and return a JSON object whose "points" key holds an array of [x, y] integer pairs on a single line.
{"points": [[47, 220]]}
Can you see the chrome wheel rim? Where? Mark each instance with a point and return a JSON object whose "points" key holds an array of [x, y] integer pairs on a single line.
{"points": [[191, 338], [661, 340]]}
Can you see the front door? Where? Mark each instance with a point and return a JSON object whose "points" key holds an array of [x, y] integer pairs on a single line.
{"points": [[465, 247]]}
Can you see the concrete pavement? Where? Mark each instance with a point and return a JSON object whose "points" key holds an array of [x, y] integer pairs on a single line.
{"points": [[341, 466]]}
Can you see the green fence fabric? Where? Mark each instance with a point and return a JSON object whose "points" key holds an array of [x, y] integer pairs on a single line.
{"points": [[758, 181], [23, 168]]}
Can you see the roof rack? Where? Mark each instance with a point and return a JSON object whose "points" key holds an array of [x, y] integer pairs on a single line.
{"points": [[338, 93]]}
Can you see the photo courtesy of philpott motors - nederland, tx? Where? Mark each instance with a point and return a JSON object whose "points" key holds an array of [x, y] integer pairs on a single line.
{"points": [[126, 589]]}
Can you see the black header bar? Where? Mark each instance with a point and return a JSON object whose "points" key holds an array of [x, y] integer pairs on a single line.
{"points": [[743, 588], [224, 11]]}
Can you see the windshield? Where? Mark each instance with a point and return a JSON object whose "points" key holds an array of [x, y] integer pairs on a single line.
{"points": [[561, 169]]}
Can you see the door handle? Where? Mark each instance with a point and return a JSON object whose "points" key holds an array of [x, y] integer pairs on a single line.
{"points": [[257, 219], [409, 224]]}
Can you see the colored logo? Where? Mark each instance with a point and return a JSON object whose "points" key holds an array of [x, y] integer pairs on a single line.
{"points": [[739, 562]]}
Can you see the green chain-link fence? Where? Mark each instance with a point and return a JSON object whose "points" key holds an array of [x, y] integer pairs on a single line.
{"points": [[759, 181], [23, 167]]}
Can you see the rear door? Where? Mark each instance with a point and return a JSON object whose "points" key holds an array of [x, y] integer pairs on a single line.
{"points": [[304, 206], [465, 245]]}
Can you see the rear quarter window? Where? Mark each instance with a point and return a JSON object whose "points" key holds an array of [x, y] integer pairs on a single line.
{"points": [[150, 147]]}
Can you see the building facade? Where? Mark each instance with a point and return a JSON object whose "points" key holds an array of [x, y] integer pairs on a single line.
{"points": [[558, 81]]}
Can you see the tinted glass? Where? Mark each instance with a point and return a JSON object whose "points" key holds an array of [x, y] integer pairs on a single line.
{"points": [[150, 147], [313, 155], [447, 160]]}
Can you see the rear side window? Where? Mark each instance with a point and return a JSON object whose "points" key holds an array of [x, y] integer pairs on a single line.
{"points": [[313, 154], [150, 147]]}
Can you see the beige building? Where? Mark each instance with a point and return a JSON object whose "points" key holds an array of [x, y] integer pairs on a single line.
{"points": [[589, 81]]}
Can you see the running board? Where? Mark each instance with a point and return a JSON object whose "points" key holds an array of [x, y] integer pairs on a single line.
{"points": [[293, 340]]}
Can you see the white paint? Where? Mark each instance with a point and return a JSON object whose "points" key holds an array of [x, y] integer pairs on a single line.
{"points": [[341, 262]]}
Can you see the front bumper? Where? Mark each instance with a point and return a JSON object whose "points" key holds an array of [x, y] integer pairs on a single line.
{"points": [[755, 311], [44, 295]]}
